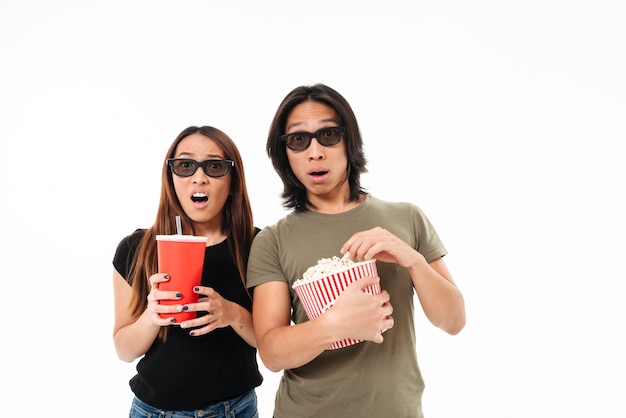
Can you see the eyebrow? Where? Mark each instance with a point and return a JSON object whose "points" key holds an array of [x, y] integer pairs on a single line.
{"points": [[296, 124], [209, 157]]}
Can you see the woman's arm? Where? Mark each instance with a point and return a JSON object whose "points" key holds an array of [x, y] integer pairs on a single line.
{"points": [[132, 336]]}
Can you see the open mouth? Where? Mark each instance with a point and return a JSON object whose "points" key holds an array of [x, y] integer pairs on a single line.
{"points": [[318, 173], [199, 197]]}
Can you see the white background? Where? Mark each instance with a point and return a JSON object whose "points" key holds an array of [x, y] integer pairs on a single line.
{"points": [[504, 121]]}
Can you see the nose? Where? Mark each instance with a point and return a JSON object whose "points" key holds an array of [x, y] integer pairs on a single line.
{"points": [[199, 177], [316, 150]]}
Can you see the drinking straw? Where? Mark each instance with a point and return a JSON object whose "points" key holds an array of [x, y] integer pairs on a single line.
{"points": [[179, 228]]}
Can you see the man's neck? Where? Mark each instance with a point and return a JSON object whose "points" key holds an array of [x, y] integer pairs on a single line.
{"points": [[335, 206]]}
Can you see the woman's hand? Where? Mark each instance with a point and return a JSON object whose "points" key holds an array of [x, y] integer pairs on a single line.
{"points": [[221, 312], [156, 295]]}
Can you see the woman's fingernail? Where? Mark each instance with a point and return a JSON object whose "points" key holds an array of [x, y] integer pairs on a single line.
{"points": [[192, 333], [179, 295], [172, 320], [196, 289], [166, 277], [179, 308], [183, 325]]}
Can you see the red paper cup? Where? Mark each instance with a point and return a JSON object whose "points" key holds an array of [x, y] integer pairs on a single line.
{"points": [[319, 295], [182, 257]]}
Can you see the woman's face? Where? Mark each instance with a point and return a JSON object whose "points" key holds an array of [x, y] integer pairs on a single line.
{"points": [[202, 197]]}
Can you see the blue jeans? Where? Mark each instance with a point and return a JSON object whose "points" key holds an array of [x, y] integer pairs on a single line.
{"points": [[244, 406]]}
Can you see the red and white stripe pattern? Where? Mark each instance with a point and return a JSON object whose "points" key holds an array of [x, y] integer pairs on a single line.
{"points": [[318, 296]]}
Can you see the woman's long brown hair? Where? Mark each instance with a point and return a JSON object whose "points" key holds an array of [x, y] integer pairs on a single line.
{"points": [[236, 219]]}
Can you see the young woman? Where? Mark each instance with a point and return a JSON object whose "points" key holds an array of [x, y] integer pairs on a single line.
{"points": [[204, 366]]}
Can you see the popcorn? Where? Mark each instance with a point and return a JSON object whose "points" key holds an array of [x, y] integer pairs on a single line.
{"points": [[322, 284], [325, 267]]}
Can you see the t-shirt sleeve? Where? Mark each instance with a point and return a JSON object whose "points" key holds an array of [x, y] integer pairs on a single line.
{"points": [[125, 253], [428, 242], [263, 262]]}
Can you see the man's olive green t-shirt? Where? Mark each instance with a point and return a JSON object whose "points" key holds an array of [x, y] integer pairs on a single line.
{"points": [[366, 379]]}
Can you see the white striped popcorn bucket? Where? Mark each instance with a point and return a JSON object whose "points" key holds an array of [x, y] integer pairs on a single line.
{"points": [[319, 295]]}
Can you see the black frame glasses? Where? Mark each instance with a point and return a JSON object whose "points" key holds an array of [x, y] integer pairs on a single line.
{"points": [[328, 136], [186, 167]]}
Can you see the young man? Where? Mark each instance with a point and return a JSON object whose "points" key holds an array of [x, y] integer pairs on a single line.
{"points": [[316, 148]]}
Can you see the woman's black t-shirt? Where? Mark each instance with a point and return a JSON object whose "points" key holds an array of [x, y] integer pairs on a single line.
{"points": [[185, 372]]}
